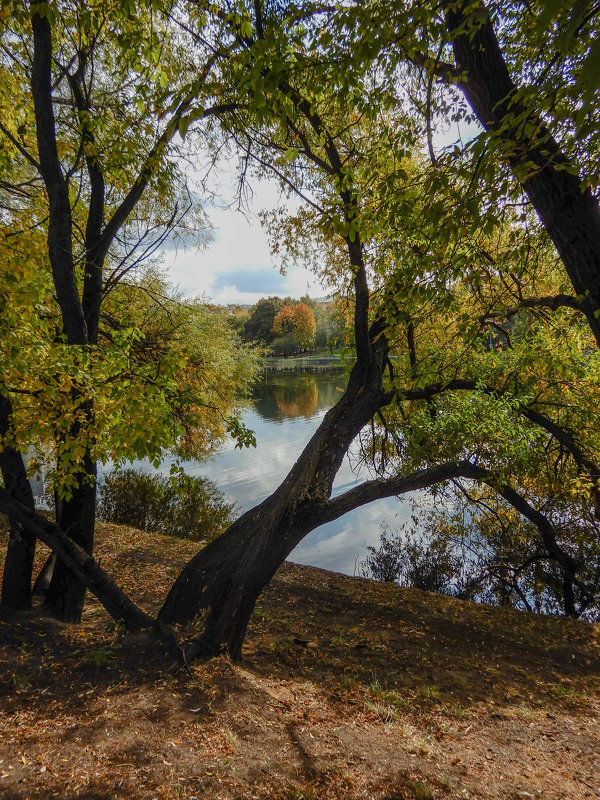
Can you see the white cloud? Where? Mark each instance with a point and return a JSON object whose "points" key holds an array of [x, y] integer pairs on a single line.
{"points": [[239, 246]]}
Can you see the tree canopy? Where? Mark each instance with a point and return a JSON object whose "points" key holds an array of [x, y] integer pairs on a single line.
{"points": [[101, 361], [297, 324]]}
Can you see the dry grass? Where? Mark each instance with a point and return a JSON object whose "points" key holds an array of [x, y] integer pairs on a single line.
{"points": [[348, 688]]}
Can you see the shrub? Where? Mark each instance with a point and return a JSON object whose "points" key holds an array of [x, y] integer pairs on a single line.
{"points": [[189, 508], [285, 345], [421, 561]]}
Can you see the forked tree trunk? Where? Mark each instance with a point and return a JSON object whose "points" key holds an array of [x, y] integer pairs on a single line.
{"points": [[65, 595], [18, 566], [80, 310], [224, 580]]}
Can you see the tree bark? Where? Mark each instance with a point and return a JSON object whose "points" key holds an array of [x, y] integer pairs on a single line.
{"points": [[224, 580], [568, 210], [80, 315], [65, 595], [18, 566], [44, 576], [81, 563], [60, 246]]}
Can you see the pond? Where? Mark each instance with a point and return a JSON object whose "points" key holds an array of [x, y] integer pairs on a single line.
{"points": [[287, 408]]}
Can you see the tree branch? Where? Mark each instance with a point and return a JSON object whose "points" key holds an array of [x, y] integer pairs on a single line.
{"points": [[24, 152], [94, 258], [552, 302], [116, 602], [128, 204], [561, 434], [353, 242], [377, 489], [569, 564], [258, 19], [447, 73], [568, 210]]}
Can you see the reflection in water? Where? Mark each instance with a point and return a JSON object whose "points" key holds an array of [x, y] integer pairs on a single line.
{"points": [[287, 409], [285, 395], [300, 401]]}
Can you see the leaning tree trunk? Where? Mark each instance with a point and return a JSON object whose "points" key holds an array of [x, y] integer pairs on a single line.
{"points": [[568, 210], [224, 580], [112, 597], [18, 566], [65, 595], [44, 576]]}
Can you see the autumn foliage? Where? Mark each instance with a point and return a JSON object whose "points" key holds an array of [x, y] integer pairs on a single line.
{"points": [[299, 321]]}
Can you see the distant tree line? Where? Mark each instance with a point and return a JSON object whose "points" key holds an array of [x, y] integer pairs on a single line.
{"points": [[287, 326]]}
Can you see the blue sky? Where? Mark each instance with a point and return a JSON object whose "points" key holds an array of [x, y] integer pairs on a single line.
{"points": [[237, 266]]}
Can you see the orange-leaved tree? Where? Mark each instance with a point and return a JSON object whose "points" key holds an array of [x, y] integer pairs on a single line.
{"points": [[299, 321]]}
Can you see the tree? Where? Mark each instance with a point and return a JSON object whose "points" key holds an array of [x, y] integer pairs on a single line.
{"points": [[478, 547], [433, 396], [305, 326], [234, 568], [284, 321], [259, 327], [90, 115], [528, 80], [225, 579], [16, 582], [298, 324], [568, 209], [328, 334]]}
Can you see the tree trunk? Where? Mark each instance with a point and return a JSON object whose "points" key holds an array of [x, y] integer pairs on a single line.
{"points": [[114, 600], [568, 210], [42, 582], [225, 579], [16, 580], [66, 593], [570, 609]]}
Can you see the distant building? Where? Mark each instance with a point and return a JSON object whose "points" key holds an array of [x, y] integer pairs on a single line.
{"points": [[38, 483]]}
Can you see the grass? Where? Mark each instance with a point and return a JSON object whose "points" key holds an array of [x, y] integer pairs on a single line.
{"points": [[348, 689], [456, 711], [420, 791], [431, 692], [567, 692]]}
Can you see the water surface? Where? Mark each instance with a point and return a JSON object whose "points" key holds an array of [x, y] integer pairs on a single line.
{"points": [[286, 410]]}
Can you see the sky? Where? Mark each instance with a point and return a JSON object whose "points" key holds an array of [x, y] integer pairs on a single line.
{"points": [[237, 266]]}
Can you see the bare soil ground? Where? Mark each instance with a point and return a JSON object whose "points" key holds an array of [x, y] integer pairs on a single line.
{"points": [[348, 689]]}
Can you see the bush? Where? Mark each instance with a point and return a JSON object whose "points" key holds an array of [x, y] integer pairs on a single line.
{"points": [[285, 345], [189, 508], [421, 561], [477, 547]]}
